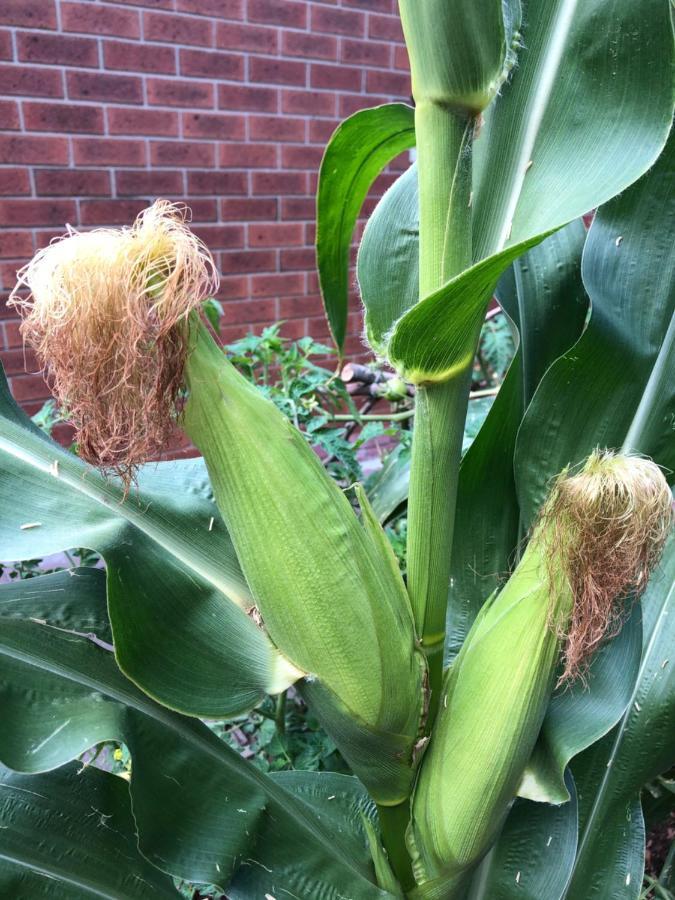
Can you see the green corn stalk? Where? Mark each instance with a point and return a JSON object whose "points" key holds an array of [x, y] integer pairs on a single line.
{"points": [[459, 55], [326, 586]]}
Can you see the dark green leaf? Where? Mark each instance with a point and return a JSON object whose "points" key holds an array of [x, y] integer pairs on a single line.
{"points": [[357, 152]]}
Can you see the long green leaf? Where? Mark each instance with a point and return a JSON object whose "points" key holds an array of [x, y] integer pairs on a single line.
{"points": [[357, 152], [70, 834], [175, 590], [202, 812]]}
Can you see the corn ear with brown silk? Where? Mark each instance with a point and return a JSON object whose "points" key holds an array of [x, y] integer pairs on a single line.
{"points": [[326, 586]]}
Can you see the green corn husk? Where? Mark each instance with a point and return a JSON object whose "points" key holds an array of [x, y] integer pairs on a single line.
{"points": [[599, 536], [460, 51], [326, 586]]}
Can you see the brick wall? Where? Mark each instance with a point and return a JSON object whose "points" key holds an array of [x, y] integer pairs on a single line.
{"points": [[224, 104]]}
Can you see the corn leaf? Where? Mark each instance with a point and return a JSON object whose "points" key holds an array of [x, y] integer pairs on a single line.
{"points": [[177, 598], [71, 834], [610, 774], [202, 812], [586, 111], [534, 855], [356, 153]]}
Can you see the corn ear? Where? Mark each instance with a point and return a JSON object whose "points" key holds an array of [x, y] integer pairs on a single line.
{"points": [[325, 586], [599, 536]]}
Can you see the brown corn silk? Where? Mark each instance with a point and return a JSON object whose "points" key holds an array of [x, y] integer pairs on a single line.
{"points": [[604, 529], [106, 312]]}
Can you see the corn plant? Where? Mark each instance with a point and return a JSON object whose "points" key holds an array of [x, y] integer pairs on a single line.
{"points": [[500, 708]]}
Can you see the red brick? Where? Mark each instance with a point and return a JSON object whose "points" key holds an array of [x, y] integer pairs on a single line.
{"points": [[301, 157], [277, 71], [384, 6], [234, 287], [204, 64], [14, 182], [125, 120], [321, 130], [12, 334], [275, 234], [248, 156], [351, 103], [6, 51], [179, 93], [295, 307], [249, 311], [308, 45], [298, 208], [276, 128], [9, 115], [225, 9], [366, 53], [387, 28], [248, 261], [214, 127], [101, 86], [278, 285], [37, 212], [89, 18], [308, 103], [137, 57], [57, 49], [286, 13], [29, 387], [401, 60], [202, 209], [182, 153], [256, 38], [248, 209], [177, 29], [338, 21], [155, 4], [28, 149], [15, 244], [156, 183], [301, 259], [28, 13], [221, 237], [34, 82], [110, 212], [279, 183], [396, 83], [217, 182], [62, 117], [16, 362], [243, 97], [108, 152], [336, 78], [72, 182]]}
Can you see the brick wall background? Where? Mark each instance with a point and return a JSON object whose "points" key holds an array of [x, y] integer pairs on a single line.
{"points": [[223, 104]]}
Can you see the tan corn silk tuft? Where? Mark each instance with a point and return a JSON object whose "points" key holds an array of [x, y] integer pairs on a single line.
{"points": [[107, 316], [607, 526]]}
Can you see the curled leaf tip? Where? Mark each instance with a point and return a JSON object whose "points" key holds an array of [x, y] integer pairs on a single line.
{"points": [[106, 312], [606, 526]]}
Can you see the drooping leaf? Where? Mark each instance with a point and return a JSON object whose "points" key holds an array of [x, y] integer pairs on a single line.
{"points": [[357, 152], [70, 834], [610, 774], [202, 812], [616, 386], [175, 590]]}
